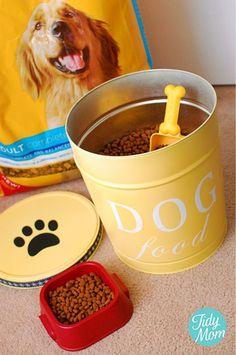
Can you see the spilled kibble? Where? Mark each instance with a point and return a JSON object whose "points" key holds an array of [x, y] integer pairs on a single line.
{"points": [[79, 298]]}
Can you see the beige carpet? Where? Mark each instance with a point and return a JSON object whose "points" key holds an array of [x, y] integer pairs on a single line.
{"points": [[162, 304]]}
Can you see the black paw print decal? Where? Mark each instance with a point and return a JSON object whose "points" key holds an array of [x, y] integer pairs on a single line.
{"points": [[40, 241]]}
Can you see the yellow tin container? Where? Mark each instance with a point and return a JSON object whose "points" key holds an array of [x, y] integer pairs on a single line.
{"points": [[163, 210]]}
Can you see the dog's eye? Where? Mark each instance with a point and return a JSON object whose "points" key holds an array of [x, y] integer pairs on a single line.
{"points": [[69, 14], [38, 26]]}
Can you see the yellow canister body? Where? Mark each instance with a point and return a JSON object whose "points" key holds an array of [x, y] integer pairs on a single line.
{"points": [[164, 210]]}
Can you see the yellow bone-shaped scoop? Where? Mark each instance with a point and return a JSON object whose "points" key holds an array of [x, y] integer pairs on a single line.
{"points": [[169, 130]]}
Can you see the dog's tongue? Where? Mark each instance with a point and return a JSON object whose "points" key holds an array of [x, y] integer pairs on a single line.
{"points": [[73, 62]]}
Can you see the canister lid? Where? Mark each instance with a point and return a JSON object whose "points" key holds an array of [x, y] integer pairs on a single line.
{"points": [[44, 235]]}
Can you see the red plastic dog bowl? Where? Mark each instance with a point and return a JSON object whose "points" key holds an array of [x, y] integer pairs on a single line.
{"points": [[96, 326]]}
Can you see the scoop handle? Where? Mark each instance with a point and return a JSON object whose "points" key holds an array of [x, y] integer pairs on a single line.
{"points": [[170, 124]]}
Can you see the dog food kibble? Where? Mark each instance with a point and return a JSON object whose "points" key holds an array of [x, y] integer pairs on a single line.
{"points": [[39, 171], [79, 298], [135, 142]]}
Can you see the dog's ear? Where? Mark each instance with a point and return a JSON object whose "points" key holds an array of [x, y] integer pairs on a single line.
{"points": [[110, 48], [32, 78]]}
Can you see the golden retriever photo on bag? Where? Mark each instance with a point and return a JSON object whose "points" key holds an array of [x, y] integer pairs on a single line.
{"points": [[63, 54]]}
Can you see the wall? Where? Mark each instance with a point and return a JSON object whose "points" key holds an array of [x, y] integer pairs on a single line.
{"points": [[192, 35]]}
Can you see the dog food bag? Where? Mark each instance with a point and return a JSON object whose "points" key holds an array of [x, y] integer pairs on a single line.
{"points": [[52, 53]]}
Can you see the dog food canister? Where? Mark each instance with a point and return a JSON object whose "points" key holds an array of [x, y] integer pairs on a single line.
{"points": [[163, 210]]}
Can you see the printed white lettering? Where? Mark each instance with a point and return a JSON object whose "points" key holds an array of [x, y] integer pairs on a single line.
{"points": [[182, 210], [198, 201], [134, 213], [179, 246], [160, 250], [144, 247], [201, 236], [129, 220]]}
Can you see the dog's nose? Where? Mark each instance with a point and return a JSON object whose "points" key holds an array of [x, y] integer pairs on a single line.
{"points": [[60, 30]]}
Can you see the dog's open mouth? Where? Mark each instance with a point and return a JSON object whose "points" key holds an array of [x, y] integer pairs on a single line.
{"points": [[71, 61]]}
